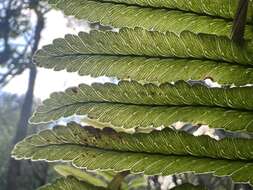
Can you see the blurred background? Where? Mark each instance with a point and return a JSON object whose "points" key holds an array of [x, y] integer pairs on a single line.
{"points": [[25, 26]]}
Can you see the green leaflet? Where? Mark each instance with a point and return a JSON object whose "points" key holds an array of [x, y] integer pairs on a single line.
{"points": [[146, 70], [82, 175], [106, 175], [102, 179], [156, 153], [124, 15], [69, 183], [127, 117], [139, 42], [129, 93], [164, 142], [154, 164], [225, 8]]}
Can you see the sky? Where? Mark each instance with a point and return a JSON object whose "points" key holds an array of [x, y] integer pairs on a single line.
{"points": [[49, 81]]}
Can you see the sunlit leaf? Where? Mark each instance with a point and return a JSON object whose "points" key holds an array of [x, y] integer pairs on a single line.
{"points": [[131, 105], [152, 15], [157, 153]]}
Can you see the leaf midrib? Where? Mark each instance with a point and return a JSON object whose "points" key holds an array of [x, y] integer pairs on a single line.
{"points": [[147, 153], [219, 61], [147, 105]]}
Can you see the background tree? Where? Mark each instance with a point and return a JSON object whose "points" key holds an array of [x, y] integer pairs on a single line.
{"points": [[9, 114], [33, 174], [16, 38], [20, 38]]}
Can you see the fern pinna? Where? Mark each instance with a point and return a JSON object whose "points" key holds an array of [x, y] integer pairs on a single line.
{"points": [[163, 56]]}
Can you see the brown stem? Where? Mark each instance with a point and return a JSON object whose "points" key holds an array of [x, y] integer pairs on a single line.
{"points": [[240, 22], [116, 183]]}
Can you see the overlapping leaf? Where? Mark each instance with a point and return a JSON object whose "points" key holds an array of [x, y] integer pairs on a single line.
{"points": [[69, 183], [101, 178], [157, 153], [121, 14], [146, 70], [82, 175], [139, 42]]}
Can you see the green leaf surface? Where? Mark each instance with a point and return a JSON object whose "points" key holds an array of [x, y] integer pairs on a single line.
{"points": [[139, 42], [124, 15], [106, 175], [138, 118], [158, 153], [154, 164], [82, 175], [225, 8], [142, 69], [69, 183], [88, 99], [165, 142]]}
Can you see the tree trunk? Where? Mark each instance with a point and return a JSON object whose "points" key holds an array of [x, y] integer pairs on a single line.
{"points": [[14, 167]]}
